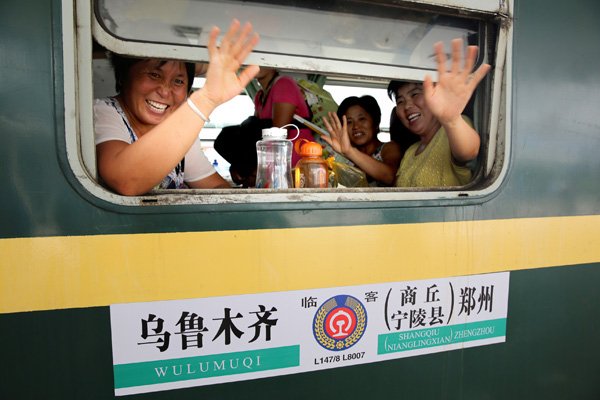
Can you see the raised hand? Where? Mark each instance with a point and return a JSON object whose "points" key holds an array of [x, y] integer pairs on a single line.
{"points": [[449, 96], [339, 140], [222, 81]]}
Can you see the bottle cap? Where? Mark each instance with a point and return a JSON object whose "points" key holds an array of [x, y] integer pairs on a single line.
{"points": [[274, 133], [308, 149], [311, 149]]}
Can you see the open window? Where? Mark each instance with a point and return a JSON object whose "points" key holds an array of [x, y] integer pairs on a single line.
{"points": [[359, 46]]}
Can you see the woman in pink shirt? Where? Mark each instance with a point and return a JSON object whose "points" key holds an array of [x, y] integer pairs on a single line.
{"points": [[279, 99]]}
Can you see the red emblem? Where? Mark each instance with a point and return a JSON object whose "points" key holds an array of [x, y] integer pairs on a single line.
{"points": [[340, 323]]}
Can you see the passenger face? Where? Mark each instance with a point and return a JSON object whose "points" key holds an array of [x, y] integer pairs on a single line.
{"points": [[153, 92], [264, 72], [360, 126], [412, 110]]}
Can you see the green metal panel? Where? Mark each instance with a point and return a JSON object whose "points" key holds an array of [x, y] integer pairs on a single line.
{"points": [[552, 325], [555, 101]]}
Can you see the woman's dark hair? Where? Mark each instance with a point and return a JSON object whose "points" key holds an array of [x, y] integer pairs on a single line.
{"points": [[367, 102], [393, 88], [121, 65], [400, 133]]}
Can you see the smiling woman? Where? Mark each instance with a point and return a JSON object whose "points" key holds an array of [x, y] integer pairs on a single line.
{"points": [[144, 140], [434, 113], [356, 139], [140, 81]]}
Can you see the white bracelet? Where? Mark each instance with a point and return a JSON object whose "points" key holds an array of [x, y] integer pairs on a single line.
{"points": [[198, 112]]}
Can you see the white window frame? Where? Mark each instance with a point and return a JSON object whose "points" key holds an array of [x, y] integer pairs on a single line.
{"points": [[79, 24]]}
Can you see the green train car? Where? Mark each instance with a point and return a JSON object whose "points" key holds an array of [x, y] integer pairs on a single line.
{"points": [[487, 291]]}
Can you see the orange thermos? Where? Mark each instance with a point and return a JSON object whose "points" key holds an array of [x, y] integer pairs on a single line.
{"points": [[311, 170]]}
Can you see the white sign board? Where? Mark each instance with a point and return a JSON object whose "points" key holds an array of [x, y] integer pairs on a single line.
{"points": [[184, 343]]}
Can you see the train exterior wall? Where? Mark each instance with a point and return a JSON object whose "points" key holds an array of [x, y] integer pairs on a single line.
{"points": [[66, 255]]}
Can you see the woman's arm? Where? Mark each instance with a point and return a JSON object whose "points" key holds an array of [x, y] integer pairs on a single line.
{"points": [[133, 169], [283, 114], [382, 171], [447, 99], [214, 181], [464, 140], [285, 96]]}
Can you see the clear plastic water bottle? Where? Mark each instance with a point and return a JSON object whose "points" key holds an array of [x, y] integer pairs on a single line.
{"points": [[274, 153]]}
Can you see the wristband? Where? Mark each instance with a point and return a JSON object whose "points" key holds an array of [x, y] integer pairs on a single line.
{"points": [[198, 112]]}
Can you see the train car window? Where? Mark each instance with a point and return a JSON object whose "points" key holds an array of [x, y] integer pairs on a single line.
{"points": [[357, 46]]}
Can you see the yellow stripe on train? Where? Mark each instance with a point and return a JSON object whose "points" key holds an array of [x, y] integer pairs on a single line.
{"points": [[87, 271]]}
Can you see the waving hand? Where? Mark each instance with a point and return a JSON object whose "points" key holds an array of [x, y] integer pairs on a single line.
{"points": [[448, 98], [222, 80], [339, 140]]}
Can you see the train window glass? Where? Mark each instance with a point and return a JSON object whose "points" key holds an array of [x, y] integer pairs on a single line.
{"points": [[366, 32], [358, 46]]}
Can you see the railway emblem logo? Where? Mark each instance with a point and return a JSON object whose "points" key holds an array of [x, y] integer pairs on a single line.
{"points": [[339, 323]]}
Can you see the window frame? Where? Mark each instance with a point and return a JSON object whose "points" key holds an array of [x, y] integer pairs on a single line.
{"points": [[80, 26]]}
